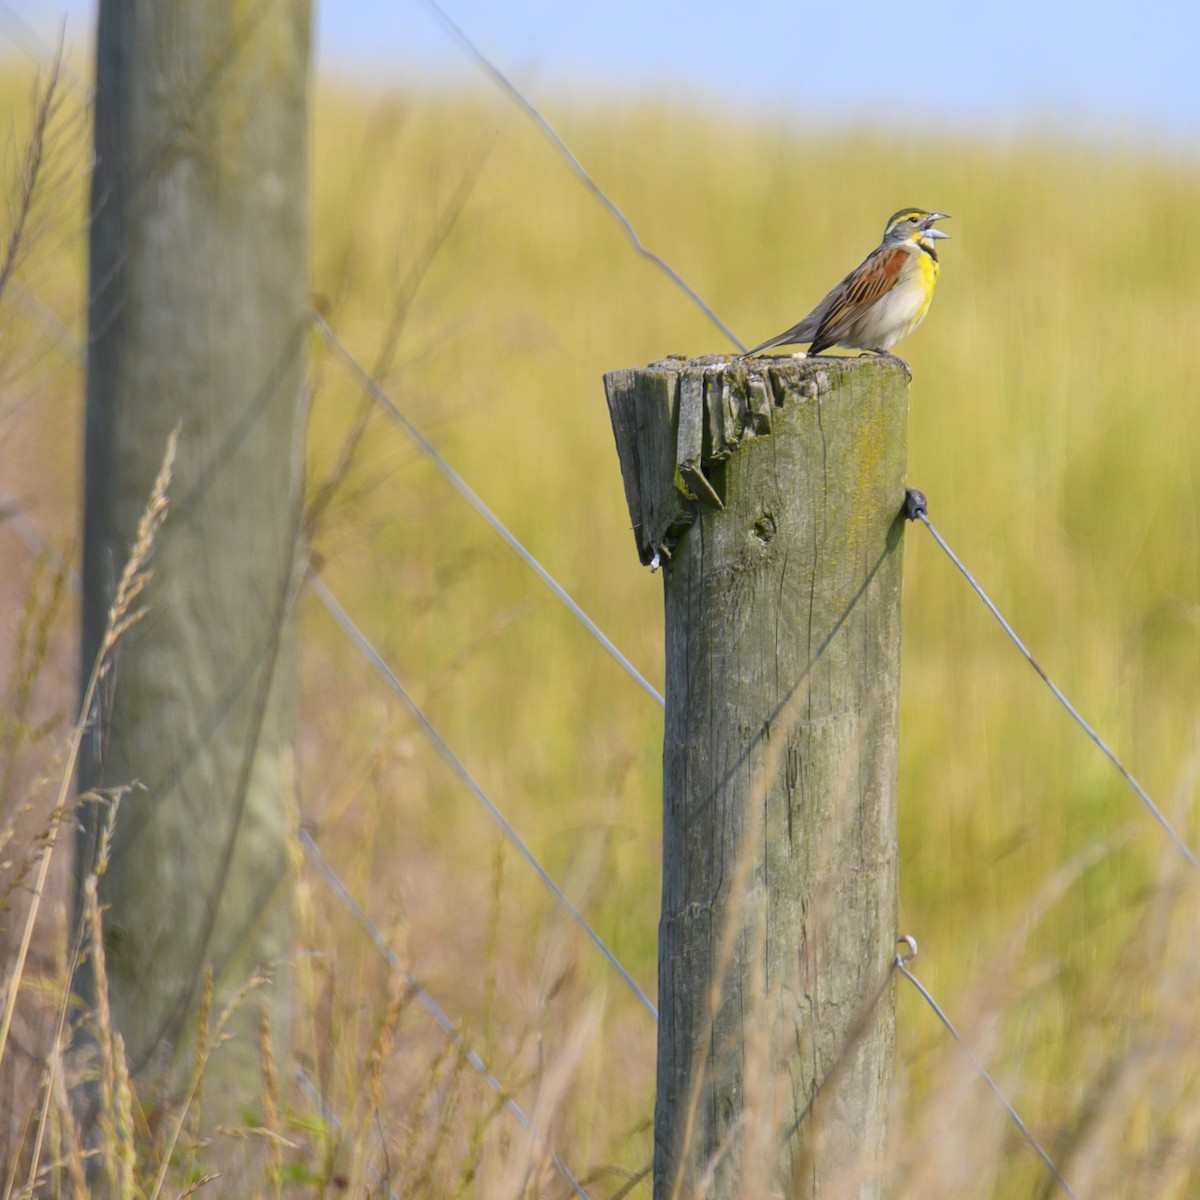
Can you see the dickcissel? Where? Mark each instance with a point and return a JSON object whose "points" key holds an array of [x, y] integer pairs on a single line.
{"points": [[883, 299]]}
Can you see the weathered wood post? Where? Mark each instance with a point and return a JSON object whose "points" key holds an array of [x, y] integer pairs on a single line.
{"points": [[772, 492], [197, 319]]}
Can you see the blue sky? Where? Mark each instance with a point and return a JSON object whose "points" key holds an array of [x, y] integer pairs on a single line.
{"points": [[1090, 67]]}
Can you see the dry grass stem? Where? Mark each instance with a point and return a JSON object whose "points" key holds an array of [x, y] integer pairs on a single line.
{"points": [[121, 616]]}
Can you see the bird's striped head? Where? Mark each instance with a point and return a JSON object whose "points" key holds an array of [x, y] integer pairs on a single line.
{"points": [[914, 225]]}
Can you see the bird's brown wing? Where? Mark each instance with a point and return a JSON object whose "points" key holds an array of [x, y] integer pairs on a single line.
{"points": [[877, 275]]}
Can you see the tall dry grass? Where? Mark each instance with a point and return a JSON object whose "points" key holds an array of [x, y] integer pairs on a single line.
{"points": [[1051, 427]]}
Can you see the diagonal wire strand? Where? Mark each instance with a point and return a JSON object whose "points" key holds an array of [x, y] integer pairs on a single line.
{"points": [[902, 960], [372, 655], [15, 517], [464, 489], [385, 401], [334, 882], [510, 89], [12, 512], [460, 485], [21, 33], [917, 511]]}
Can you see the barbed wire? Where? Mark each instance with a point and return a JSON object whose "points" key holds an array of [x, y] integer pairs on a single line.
{"points": [[357, 638], [13, 514], [510, 89], [368, 651], [334, 882], [66, 342], [916, 509], [901, 961], [464, 489]]}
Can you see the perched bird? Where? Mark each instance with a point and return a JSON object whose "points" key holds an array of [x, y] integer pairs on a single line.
{"points": [[883, 299]]}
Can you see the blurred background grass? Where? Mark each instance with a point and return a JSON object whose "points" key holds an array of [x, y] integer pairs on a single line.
{"points": [[1053, 429]]}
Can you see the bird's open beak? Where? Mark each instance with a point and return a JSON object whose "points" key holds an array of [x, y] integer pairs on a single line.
{"points": [[930, 232]]}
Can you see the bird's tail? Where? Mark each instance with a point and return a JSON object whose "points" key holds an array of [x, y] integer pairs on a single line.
{"points": [[804, 332]]}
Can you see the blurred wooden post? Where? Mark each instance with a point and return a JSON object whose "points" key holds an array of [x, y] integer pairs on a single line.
{"points": [[772, 494], [197, 319]]}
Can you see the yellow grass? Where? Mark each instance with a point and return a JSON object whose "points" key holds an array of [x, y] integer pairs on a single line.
{"points": [[1053, 428]]}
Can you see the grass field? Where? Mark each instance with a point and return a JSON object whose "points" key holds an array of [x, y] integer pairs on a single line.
{"points": [[1053, 429]]}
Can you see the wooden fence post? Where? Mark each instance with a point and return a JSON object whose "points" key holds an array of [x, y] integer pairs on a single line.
{"points": [[771, 492], [198, 319]]}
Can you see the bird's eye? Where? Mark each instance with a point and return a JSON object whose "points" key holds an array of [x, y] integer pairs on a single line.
{"points": [[915, 218]]}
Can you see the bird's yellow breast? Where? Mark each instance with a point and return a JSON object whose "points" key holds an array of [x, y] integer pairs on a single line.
{"points": [[893, 317], [927, 268]]}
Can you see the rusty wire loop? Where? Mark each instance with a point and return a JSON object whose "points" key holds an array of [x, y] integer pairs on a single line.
{"points": [[901, 961], [915, 508]]}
